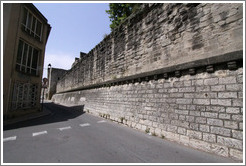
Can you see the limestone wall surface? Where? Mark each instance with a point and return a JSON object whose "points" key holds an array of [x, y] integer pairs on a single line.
{"points": [[173, 70], [204, 111], [158, 37]]}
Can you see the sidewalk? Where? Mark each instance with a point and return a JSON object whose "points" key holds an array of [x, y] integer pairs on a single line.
{"points": [[45, 112]]}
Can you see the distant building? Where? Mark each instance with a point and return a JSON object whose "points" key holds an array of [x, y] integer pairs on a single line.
{"points": [[25, 33], [54, 75]]}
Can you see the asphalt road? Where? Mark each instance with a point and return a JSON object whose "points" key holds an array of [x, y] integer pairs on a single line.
{"points": [[72, 136]]}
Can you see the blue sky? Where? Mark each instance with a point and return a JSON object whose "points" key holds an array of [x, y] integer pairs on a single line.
{"points": [[75, 27]]}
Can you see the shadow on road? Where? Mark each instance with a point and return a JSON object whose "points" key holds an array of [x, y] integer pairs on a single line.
{"points": [[58, 113]]}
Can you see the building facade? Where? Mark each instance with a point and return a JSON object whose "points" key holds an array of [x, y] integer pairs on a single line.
{"points": [[25, 34], [54, 75]]}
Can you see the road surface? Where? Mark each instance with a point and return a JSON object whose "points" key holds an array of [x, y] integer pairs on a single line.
{"points": [[71, 136]]}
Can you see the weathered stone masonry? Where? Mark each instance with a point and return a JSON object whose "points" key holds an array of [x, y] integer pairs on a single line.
{"points": [[174, 70]]}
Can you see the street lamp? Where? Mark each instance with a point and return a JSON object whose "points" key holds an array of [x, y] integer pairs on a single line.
{"points": [[49, 80]]}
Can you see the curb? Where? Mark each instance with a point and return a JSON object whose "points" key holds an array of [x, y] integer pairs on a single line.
{"points": [[45, 112]]}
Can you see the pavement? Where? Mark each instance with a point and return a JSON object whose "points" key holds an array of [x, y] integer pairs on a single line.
{"points": [[44, 112], [69, 135]]}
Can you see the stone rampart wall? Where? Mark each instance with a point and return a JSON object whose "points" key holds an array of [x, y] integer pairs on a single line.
{"points": [[159, 37], [204, 111], [174, 70]]}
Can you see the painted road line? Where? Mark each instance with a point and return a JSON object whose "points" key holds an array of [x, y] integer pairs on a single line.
{"points": [[65, 128], [85, 124], [101, 121], [39, 133], [9, 139]]}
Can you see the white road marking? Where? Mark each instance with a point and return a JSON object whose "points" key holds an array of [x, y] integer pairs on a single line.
{"points": [[9, 139], [101, 121], [39, 133], [85, 124], [65, 128]]}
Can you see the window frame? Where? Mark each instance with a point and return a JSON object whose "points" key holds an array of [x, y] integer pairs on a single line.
{"points": [[28, 29], [24, 96], [23, 66]]}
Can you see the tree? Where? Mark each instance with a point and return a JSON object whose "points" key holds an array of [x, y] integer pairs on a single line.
{"points": [[120, 11]]}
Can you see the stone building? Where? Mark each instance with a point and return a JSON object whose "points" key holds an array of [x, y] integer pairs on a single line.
{"points": [[25, 34], [54, 75]]}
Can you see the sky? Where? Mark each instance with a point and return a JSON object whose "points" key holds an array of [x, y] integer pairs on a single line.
{"points": [[76, 27]]}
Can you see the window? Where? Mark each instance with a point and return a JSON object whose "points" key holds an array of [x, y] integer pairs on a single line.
{"points": [[27, 59], [24, 96], [31, 24]]}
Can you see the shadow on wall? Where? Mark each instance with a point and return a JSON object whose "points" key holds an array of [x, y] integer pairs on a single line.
{"points": [[59, 113]]}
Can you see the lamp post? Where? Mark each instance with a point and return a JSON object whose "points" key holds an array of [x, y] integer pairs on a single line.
{"points": [[49, 79]]}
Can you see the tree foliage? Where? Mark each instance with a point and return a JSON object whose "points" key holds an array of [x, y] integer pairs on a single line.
{"points": [[119, 11]]}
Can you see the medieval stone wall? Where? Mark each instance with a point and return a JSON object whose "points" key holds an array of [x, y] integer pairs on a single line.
{"points": [[158, 37], [174, 70]]}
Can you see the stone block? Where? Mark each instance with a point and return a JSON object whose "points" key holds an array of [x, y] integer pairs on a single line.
{"points": [[238, 118], [236, 154], [182, 106], [183, 101], [215, 109], [220, 131], [194, 126], [187, 83], [204, 128], [201, 101], [240, 95], [203, 89], [232, 110], [220, 150], [237, 134], [218, 88], [210, 114], [158, 131], [230, 142], [190, 118], [176, 95], [143, 128], [178, 84], [211, 81], [227, 95], [183, 112], [181, 117], [194, 134], [240, 79], [231, 124], [171, 136], [225, 116], [215, 122], [209, 137], [237, 102], [197, 82], [199, 144], [189, 95], [234, 87], [173, 90], [195, 113], [227, 80], [191, 107], [201, 120], [182, 130], [206, 95], [184, 140], [241, 126], [221, 102], [187, 89], [172, 128]]}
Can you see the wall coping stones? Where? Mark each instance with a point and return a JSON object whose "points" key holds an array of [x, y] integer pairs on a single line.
{"points": [[230, 59]]}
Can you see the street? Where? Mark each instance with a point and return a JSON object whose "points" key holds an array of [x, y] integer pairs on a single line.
{"points": [[70, 135]]}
